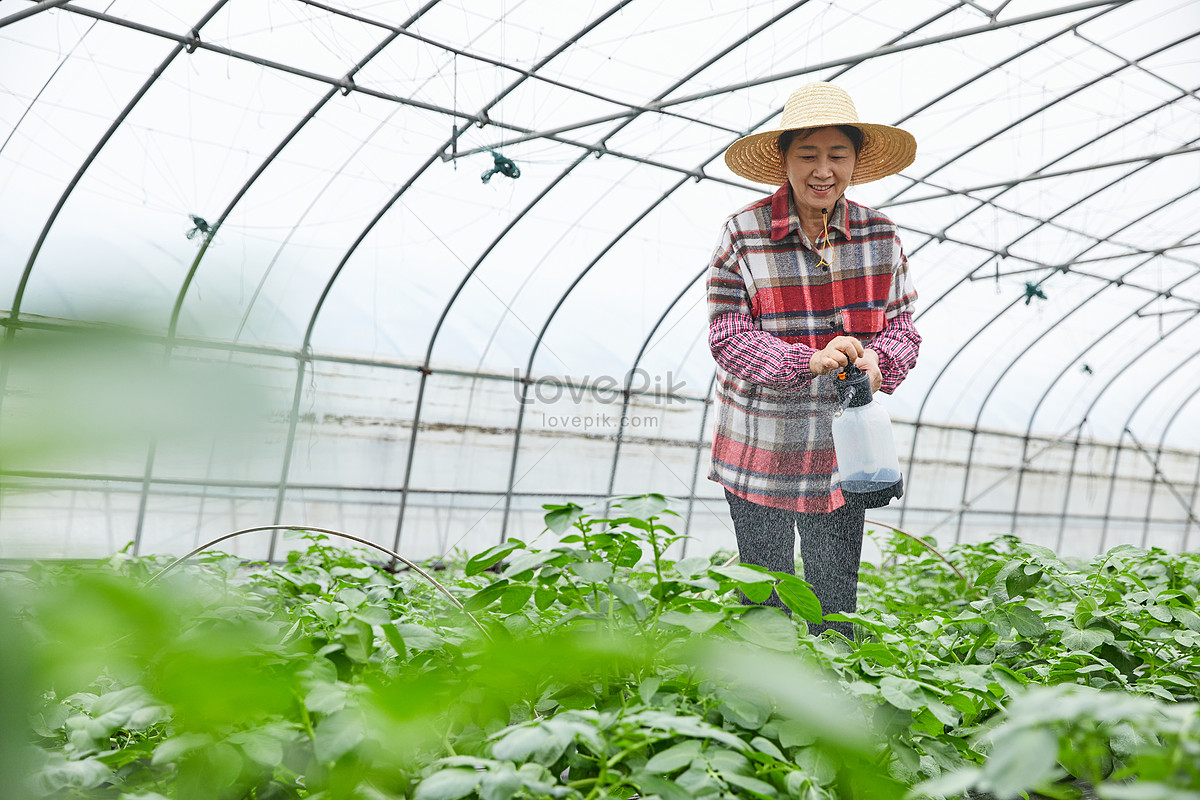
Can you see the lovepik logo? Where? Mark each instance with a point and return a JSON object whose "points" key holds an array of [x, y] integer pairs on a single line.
{"points": [[603, 389]]}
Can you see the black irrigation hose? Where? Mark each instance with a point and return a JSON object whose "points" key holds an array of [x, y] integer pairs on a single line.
{"points": [[927, 546], [331, 532]]}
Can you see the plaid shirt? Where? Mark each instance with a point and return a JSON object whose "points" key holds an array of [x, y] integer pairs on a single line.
{"points": [[771, 305]]}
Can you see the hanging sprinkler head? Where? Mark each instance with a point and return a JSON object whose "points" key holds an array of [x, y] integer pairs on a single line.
{"points": [[502, 164]]}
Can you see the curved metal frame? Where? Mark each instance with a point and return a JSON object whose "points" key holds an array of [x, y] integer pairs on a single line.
{"points": [[659, 105], [470, 273], [968, 276], [1112, 481], [1003, 374], [1188, 397]]}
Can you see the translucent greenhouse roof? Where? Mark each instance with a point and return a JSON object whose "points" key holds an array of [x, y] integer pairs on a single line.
{"points": [[321, 189]]}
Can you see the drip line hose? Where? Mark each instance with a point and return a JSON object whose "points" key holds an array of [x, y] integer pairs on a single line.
{"points": [[432, 580]]}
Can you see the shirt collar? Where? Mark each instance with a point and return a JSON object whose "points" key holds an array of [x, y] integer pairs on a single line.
{"points": [[785, 219]]}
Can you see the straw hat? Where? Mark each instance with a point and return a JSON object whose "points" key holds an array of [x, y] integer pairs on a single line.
{"points": [[885, 151]]}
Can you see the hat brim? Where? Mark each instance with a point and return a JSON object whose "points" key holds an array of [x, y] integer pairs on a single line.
{"points": [[886, 150]]}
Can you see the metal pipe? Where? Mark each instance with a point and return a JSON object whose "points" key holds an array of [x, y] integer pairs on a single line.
{"points": [[37, 8], [1166, 481], [329, 531], [887, 51], [637, 360], [1160, 450], [1038, 175], [687, 524], [512, 474], [1017, 357], [966, 277], [511, 67]]}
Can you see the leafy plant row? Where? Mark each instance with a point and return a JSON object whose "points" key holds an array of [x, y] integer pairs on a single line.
{"points": [[586, 664]]}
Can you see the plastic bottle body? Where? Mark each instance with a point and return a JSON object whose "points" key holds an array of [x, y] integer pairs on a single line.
{"points": [[866, 450]]}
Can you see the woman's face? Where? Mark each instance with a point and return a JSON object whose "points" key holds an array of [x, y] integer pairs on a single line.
{"points": [[819, 167]]}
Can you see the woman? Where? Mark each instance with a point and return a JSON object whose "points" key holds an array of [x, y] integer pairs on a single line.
{"points": [[802, 283]]}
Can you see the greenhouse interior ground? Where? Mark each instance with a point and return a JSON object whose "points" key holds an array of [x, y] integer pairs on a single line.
{"points": [[415, 270]]}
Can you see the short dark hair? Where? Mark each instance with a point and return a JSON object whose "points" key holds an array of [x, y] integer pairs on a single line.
{"points": [[855, 135]]}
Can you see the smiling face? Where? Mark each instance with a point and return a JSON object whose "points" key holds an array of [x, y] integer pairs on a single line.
{"points": [[819, 166]]}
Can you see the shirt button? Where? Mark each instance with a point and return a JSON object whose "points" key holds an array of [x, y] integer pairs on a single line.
{"points": [[833, 326]]}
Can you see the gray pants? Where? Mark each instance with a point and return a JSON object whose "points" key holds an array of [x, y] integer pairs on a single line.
{"points": [[830, 549]]}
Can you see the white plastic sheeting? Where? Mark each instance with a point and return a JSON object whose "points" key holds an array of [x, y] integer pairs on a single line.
{"points": [[296, 186]]}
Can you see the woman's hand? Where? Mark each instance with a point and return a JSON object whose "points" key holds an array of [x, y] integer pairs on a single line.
{"points": [[869, 363], [842, 350]]}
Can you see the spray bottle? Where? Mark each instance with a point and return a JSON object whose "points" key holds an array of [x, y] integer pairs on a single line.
{"points": [[863, 442]]}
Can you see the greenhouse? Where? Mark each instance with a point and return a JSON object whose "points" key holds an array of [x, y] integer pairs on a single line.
{"points": [[438, 275]]}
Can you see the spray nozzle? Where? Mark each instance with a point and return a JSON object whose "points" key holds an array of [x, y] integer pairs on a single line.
{"points": [[853, 387]]}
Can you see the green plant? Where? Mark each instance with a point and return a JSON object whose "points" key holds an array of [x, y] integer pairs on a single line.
{"points": [[604, 669]]}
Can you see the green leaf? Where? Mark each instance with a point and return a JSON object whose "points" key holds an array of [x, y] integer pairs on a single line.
{"points": [[559, 518], [798, 733], [1160, 613], [1020, 760], [666, 789], [949, 784], [694, 621], [351, 597], [889, 720], [674, 758], [171, 750], [742, 574], [745, 708], [1022, 579], [500, 784], [1186, 617], [767, 627], [337, 735], [648, 688], [515, 597], [644, 506], [262, 747], [943, 713], [525, 562], [544, 597], [519, 744], [62, 773], [1085, 610], [765, 745], [492, 556], [1119, 657], [817, 763], [1085, 640], [418, 637], [903, 693], [485, 596], [593, 571], [749, 784], [373, 615], [1144, 790], [989, 574], [326, 698], [798, 596], [757, 592], [1026, 621], [693, 565], [449, 784]]}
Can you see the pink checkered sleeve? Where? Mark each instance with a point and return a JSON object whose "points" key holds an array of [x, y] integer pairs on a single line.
{"points": [[753, 355], [897, 346], [738, 345]]}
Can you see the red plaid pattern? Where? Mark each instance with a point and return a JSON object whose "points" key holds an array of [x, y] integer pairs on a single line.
{"points": [[771, 304]]}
